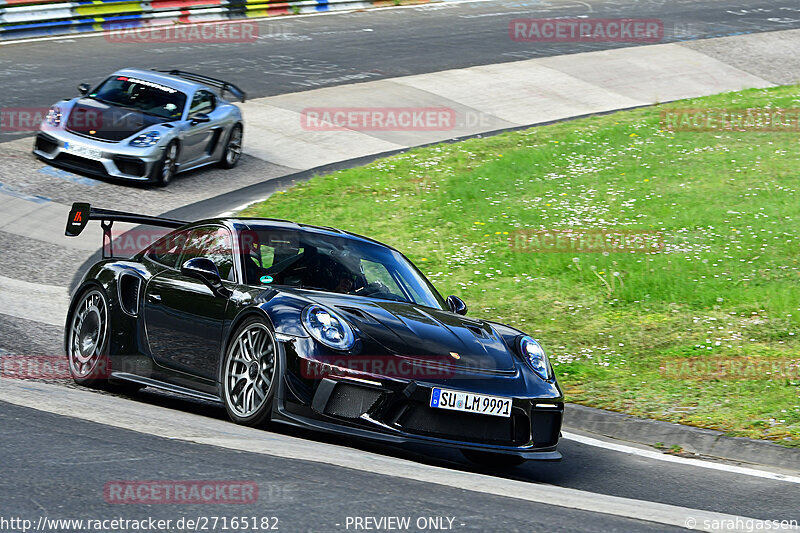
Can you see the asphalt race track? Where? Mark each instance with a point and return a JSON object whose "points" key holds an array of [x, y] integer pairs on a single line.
{"points": [[296, 54], [62, 444]]}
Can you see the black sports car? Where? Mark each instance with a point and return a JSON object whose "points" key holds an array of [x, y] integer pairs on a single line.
{"points": [[310, 326]]}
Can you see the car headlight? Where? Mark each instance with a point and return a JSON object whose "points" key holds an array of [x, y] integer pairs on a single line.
{"points": [[144, 140], [53, 117], [328, 328], [535, 356]]}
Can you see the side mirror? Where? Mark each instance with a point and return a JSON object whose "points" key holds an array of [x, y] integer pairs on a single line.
{"points": [[200, 118], [206, 271], [456, 305], [84, 89]]}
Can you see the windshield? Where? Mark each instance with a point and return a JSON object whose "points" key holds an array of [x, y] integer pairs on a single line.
{"points": [[333, 264], [141, 95]]}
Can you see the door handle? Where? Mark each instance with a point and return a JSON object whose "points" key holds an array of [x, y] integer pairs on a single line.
{"points": [[154, 298]]}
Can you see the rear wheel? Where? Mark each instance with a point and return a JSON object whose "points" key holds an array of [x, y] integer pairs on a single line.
{"points": [[164, 170], [250, 373], [492, 460], [233, 148], [87, 339]]}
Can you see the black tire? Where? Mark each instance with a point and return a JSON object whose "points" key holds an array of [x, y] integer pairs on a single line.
{"points": [[164, 171], [232, 152], [250, 373], [493, 460], [87, 337]]}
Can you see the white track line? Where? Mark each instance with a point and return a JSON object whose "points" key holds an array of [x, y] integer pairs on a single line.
{"points": [[34, 301], [242, 207], [697, 463]]}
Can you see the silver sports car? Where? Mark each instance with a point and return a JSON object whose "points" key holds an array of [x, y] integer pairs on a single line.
{"points": [[144, 125]]}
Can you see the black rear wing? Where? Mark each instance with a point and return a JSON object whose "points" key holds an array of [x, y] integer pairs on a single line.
{"points": [[82, 213], [222, 85]]}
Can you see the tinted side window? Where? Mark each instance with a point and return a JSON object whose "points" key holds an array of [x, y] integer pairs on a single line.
{"points": [[202, 102], [167, 250], [215, 244]]}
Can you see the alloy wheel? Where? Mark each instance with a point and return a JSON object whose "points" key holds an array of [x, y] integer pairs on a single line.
{"points": [[168, 169], [234, 147], [250, 370], [88, 333]]}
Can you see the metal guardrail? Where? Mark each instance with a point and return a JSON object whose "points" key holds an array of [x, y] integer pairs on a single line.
{"points": [[20, 19]]}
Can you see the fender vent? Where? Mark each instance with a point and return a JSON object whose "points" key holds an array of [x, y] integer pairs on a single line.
{"points": [[212, 144], [128, 287]]}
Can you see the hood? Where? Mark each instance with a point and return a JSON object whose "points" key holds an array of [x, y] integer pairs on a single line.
{"points": [[425, 334], [105, 122]]}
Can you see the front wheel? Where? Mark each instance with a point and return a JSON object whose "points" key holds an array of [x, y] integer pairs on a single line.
{"points": [[233, 148], [87, 339], [164, 170], [492, 460], [250, 373]]}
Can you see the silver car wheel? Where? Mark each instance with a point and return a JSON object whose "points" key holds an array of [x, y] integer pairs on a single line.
{"points": [[168, 169], [234, 150], [88, 332], [250, 370]]}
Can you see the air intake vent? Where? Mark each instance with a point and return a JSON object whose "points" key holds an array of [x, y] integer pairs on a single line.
{"points": [[351, 401], [358, 313], [129, 286], [476, 330]]}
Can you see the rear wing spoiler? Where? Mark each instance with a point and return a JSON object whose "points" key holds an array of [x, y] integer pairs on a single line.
{"points": [[222, 85], [82, 213]]}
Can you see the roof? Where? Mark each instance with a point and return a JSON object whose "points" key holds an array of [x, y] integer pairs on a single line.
{"points": [[275, 223]]}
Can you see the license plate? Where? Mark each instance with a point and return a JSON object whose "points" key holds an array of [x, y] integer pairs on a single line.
{"points": [[83, 151], [470, 403]]}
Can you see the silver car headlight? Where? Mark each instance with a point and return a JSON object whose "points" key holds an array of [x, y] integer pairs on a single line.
{"points": [[328, 327], [53, 117], [535, 356], [145, 140]]}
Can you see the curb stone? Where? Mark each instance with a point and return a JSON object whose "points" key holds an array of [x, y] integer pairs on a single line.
{"points": [[695, 440]]}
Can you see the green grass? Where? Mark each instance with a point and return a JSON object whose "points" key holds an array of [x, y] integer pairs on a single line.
{"points": [[725, 285]]}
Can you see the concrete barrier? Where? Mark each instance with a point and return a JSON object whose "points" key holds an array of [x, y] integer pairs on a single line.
{"points": [[20, 19]]}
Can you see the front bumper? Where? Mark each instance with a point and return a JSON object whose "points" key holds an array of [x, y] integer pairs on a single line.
{"points": [[116, 160], [398, 411]]}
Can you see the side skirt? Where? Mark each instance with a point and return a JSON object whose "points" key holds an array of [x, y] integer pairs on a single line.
{"points": [[149, 382]]}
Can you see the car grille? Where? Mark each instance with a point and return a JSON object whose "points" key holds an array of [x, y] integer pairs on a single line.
{"points": [[81, 163], [351, 401], [45, 143], [129, 165], [420, 419]]}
